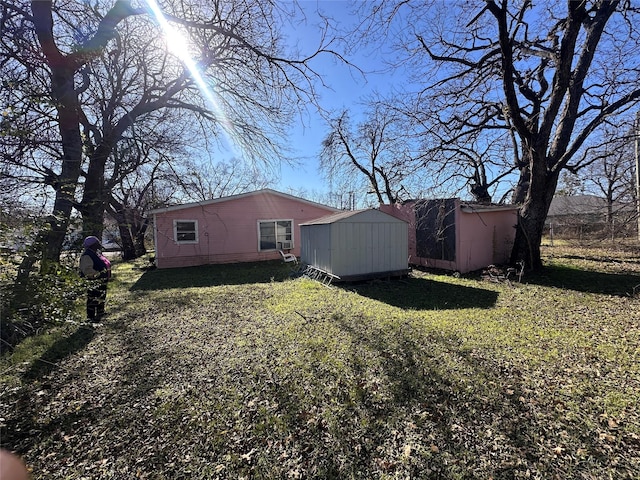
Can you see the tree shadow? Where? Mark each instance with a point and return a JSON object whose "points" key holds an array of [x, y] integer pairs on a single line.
{"points": [[444, 410], [581, 280], [213, 275], [60, 350], [96, 403], [428, 418], [423, 294]]}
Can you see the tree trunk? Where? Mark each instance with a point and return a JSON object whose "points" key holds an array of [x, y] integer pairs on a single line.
{"points": [[63, 69], [132, 236], [64, 183], [132, 232], [93, 217], [522, 187], [65, 98], [532, 215], [132, 227], [94, 199], [126, 240], [68, 110]]}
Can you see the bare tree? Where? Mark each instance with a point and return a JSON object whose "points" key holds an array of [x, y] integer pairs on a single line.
{"points": [[207, 180], [130, 189], [476, 163], [549, 73], [236, 77], [376, 150], [609, 173]]}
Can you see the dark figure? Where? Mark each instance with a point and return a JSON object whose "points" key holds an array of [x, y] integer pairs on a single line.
{"points": [[97, 270]]}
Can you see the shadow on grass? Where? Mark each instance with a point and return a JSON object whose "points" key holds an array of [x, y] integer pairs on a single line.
{"points": [[583, 280], [213, 275], [438, 402], [423, 294], [61, 349], [101, 396]]}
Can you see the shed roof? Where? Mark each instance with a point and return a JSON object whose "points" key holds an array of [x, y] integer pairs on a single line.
{"points": [[352, 214], [235, 197]]}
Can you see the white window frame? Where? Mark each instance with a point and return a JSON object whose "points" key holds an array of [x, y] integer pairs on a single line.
{"points": [[277, 242], [175, 231]]}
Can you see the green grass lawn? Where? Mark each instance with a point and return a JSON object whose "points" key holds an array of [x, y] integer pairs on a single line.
{"points": [[240, 371]]}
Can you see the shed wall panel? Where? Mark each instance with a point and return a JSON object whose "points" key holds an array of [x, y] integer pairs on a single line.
{"points": [[358, 244], [316, 246], [486, 238]]}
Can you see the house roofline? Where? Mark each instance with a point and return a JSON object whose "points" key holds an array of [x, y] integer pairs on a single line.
{"points": [[184, 206]]}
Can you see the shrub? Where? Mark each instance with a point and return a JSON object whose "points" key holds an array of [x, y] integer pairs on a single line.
{"points": [[45, 299]]}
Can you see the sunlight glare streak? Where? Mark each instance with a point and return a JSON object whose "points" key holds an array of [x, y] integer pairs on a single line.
{"points": [[177, 44]]}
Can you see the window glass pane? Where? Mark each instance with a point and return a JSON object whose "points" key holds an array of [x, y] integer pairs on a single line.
{"points": [[267, 235], [185, 226], [186, 236], [276, 234], [284, 231], [185, 231]]}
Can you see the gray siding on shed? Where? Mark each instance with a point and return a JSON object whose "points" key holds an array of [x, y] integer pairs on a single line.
{"points": [[356, 244]]}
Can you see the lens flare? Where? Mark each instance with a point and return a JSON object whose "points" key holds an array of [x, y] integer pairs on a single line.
{"points": [[178, 45]]}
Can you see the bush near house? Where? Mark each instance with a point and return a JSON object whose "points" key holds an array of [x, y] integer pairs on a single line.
{"points": [[239, 371]]}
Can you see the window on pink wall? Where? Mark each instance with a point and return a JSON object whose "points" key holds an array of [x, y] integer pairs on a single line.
{"points": [[185, 231], [275, 234]]}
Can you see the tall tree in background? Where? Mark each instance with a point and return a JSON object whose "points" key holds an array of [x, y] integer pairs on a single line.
{"points": [[550, 73], [609, 173], [377, 150], [474, 162], [207, 180], [62, 57], [130, 189]]}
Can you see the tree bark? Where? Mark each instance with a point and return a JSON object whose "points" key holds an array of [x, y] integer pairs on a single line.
{"points": [[132, 227], [63, 68], [94, 199], [132, 236], [540, 186], [68, 106]]}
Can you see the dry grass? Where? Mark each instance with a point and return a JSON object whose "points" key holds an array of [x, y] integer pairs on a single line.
{"points": [[240, 372]]}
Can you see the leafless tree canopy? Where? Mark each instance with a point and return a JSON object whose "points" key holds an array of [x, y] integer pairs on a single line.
{"points": [[377, 150], [544, 75], [85, 81]]}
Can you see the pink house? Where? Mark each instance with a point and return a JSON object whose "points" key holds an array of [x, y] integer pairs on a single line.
{"points": [[455, 235], [240, 228]]}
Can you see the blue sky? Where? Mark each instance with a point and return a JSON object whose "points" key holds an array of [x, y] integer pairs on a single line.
{"points": [[346, 88]]}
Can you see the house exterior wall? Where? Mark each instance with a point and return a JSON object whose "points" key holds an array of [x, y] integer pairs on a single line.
{"points": [[227, 230], [483, 236], [369, 242]]}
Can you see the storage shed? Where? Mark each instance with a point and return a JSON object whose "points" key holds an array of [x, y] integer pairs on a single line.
{"points": [[454, 235], [356, 245]]}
